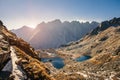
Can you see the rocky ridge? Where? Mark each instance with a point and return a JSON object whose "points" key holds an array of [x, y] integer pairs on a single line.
{"points": [[55, 33], [19, 59]]}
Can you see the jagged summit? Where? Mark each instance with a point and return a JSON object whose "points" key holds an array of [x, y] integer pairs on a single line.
{"points": [[24, 27], [43, 36], [106, 24]]}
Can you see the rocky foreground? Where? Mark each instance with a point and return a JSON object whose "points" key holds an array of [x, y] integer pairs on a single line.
{"points": [[19, 61]]}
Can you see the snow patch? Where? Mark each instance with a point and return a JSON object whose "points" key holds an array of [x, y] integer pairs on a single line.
{"points": [[8, 66], [16, 71]]}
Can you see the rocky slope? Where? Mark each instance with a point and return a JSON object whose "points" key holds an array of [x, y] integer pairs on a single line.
{"points": [[106, 40], [18, 59], [4, 50], [103, 45]]}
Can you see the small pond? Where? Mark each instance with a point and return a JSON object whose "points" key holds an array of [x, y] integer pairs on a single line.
{"points": [[57, 62], [83, 58]]}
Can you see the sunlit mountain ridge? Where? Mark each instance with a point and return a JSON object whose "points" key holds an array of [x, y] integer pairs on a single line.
{"points": [[55, 33]]}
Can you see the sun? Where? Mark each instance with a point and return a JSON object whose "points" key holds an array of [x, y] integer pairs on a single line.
{"points": [[31, 25]]}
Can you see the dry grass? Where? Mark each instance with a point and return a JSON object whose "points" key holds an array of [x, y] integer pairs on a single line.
{"points": [[62, 76], [34, 68]]}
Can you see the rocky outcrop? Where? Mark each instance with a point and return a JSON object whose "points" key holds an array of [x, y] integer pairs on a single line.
{"points": [[4, 57], [14, 40], [106, 24], [4, 51]]}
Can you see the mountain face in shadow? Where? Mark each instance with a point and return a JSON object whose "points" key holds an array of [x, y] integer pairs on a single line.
{"points": [[106, 24], [55, 33]]}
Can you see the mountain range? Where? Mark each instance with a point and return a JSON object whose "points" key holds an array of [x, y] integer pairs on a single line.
{"points": [[55, 33], [102, 45], [20, 61]]}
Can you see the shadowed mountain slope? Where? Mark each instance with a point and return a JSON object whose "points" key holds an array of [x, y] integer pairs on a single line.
{"points": [[55, 33]]}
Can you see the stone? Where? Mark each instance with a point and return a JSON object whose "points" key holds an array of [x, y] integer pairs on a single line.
{"points": [[1, 23]]}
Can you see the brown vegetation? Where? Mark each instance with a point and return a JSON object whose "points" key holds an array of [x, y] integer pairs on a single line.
{"points": [[34, 68]]}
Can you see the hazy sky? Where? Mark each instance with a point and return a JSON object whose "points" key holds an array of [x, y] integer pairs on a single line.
{"points": [[17, 13]]}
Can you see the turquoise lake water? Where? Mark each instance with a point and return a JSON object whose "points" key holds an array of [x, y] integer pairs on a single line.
{"points": [[83, 58], [57, 62]]}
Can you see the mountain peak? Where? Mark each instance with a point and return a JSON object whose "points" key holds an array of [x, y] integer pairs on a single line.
{"points": [[25, 27], [106, 24]]}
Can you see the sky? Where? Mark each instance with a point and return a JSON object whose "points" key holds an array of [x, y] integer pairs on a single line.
{"points": [[17, 13]]}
